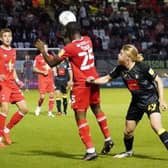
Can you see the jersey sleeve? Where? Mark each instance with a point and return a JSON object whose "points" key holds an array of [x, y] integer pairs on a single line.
{"points": [[115, 72], [151, 74], [64, 54]]}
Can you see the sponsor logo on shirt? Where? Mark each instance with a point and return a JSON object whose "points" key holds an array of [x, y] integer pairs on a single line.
{"points": [[151, 71]]}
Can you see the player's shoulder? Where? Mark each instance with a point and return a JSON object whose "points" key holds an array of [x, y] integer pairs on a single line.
{"points": [[38, 56], [9, 50], [86, 37], [142, 65]]}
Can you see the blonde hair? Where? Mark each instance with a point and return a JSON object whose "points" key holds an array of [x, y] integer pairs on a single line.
{"points": [[4, 31], [132, 52]]}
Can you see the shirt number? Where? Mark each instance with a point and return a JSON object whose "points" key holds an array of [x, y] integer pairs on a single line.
{"points": [[87, 55]]}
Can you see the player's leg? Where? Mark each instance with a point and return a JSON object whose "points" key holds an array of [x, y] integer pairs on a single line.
{"points": [[64, 97], [40, 102], [80, 103], [58, 96], [156, 124], [102, 121], [84, 133], [42, 86], [5, 95], [26, 84], [101, 118], [3, 116], [18, 115], [16, 118], [130, 126], [134, 115], [51, 104], [50, 90], [65, 103]]}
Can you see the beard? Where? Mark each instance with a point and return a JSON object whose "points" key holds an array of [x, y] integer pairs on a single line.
{"points": [[120, 62]]}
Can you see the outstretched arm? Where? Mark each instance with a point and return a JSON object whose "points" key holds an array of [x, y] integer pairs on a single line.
{"points": [[163, 104], [101, 80], [51, 61]]}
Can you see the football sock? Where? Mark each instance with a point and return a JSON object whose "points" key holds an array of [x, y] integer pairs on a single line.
{"points": [[40, 102], [163, 134], [102, 121], [58, 104], [90, 150], [128, 142], [2, 122], [84, 132], [15, 119], [6, 130], [65, 104], [51, 103]]}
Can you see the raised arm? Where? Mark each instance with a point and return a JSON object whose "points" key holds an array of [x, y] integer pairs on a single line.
{"points": [[50, 61]]}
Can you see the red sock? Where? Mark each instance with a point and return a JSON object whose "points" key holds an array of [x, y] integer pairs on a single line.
{"points": [[15, 119], [84, 132], [101, 119], [40, 101], [51, 103], [2, 122]]}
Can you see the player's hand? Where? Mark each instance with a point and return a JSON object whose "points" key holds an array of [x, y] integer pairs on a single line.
{"points": [[2, 77], [45, 73], [20, 84], [90, 79], [163, 105], [40, 45], [70, 84]]}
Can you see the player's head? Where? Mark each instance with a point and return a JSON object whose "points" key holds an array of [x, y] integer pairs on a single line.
{"points": [[132, 52], [6, 36], [129, 52], [27, 57], [72, 30]]}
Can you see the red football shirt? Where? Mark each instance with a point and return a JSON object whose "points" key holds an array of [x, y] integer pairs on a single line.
{"points": [[41, 64], [7, 60], [81, 57]]}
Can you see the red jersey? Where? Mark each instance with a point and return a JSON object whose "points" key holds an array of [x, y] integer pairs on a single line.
{"points": [[41, 64], [7, 60], [81, 58]]}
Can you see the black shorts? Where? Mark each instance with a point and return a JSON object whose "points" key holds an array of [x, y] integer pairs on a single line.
{"points": [[61, 85], [136, 113]]}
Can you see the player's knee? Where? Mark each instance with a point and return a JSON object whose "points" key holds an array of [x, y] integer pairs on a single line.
{"points": [[24, 110], [96, 108], [128, 132]]}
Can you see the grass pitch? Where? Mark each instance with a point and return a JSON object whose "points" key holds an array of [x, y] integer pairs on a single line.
{"points": [[54, 142]]}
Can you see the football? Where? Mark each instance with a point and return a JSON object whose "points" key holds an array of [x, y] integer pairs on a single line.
{"points": [[67, 16]]}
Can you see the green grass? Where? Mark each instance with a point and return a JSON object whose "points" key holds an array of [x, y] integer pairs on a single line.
{"points": [[54, 142]]}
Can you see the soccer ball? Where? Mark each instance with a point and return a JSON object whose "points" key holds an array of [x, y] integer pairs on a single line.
{"points": [[66, 17]]}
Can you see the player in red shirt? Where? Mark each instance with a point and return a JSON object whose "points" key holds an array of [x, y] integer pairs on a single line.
{"points": [[45, 82], [9, 87], [79, 52]]}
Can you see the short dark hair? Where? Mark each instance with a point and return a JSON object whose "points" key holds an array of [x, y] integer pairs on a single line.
{"points": [[72, 28], [4, 30]]}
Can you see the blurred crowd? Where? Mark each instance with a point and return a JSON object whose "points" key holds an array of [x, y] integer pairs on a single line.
{"points": [[110, 24]]}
